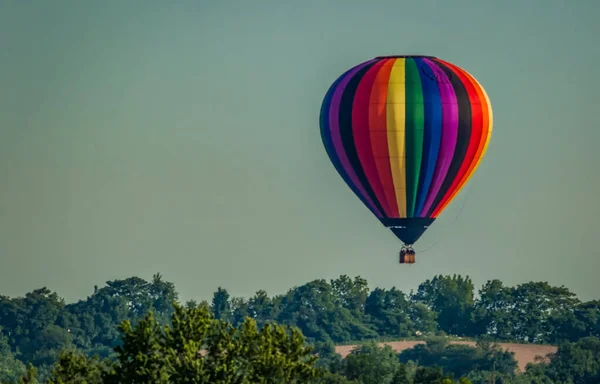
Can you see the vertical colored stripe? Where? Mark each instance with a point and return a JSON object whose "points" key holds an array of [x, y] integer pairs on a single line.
{"points": [[327, 141], [489, 126], [336, 139], [432, 109], [346, 132], [378, 134], [464, 133], [395, 122], [487, 117], [362, 134], [330, 149], [474, 140], [449, 134], [414, 126]]}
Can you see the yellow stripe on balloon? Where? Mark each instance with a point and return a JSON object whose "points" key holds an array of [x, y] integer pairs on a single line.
{"points": [[395, 122]]}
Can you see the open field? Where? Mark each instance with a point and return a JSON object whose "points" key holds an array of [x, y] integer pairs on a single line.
{"points": [[524, 353]]}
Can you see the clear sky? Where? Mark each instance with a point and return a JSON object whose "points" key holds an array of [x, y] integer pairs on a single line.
{"points": [[182, 137]]}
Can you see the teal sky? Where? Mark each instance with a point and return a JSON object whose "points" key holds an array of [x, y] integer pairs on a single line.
{"points": [[182, 137]]}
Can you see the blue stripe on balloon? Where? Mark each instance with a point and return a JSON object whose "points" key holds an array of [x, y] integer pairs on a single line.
{"points": [[328, 143], [433, 132]]}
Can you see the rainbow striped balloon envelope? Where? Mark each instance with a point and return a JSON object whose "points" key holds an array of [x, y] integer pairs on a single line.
{"points": [[406, 133]]}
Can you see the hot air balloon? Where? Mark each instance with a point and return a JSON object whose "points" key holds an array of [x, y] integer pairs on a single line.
{"points": [[406, 133]]}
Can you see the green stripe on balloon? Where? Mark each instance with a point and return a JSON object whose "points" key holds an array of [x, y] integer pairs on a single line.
{"points": [[415, 126]]}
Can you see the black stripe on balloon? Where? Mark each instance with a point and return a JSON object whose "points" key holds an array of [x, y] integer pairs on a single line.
{"points": [[345, 118], [328, 142], [326, 131], [464, 133]]}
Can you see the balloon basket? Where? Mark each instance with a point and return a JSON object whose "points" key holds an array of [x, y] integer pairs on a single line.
{"points": [[407, 255]]}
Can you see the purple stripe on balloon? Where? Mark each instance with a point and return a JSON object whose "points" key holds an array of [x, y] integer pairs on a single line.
{"points": [[336, 136], [449, 133]]}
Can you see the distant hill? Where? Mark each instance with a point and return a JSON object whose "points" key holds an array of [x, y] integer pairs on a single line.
{"points": [[524, 353]]}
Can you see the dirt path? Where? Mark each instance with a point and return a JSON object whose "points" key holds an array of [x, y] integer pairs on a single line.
{"points": [[524, 353]]}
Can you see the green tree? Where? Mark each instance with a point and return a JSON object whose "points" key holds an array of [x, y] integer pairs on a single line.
{"points": [[582, 321], [30, 376], [201, 349], [452, 298], [401, 376], [335, 378], [459, 360], [350, 294], [427, 375], [75, 368], [493, 311], [316, 310], [329, 359], [423, 319], [532, 312], [35, 326], [535, 373], [99, 316], [262, 308], [11, 369], [221, 305], [576, 363], [389, 311], [141, 357], [238, 310], [371, 364]]}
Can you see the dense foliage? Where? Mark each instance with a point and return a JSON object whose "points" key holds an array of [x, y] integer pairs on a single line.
{"points": [[98, 339]]}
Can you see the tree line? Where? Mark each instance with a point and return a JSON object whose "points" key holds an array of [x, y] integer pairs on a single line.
{"points": [[291, 336]]}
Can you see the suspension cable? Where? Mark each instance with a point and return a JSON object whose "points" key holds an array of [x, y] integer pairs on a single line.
{"points": [[443, 237]]}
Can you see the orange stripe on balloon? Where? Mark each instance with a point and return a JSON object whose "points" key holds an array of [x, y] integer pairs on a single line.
{"points": [[474, 138], [488, 136], [481, 113], [362, 133], [379, 136]]}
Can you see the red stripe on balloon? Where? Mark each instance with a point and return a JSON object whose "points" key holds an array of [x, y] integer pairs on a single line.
{"points": [[361, 133], [379, 135], [475, 138]]}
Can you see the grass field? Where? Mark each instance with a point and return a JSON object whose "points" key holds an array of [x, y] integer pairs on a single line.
{"points": [[524, 353]]}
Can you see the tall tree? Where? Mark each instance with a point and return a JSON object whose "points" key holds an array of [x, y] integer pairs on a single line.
{"points": [[314, 308], [452, 297], [11, 368], [533, 312], [35, 325], [201, 349], [221, 304], [582, 321], [76, 368], [262, 308], [351, 294], [390, 312]]}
